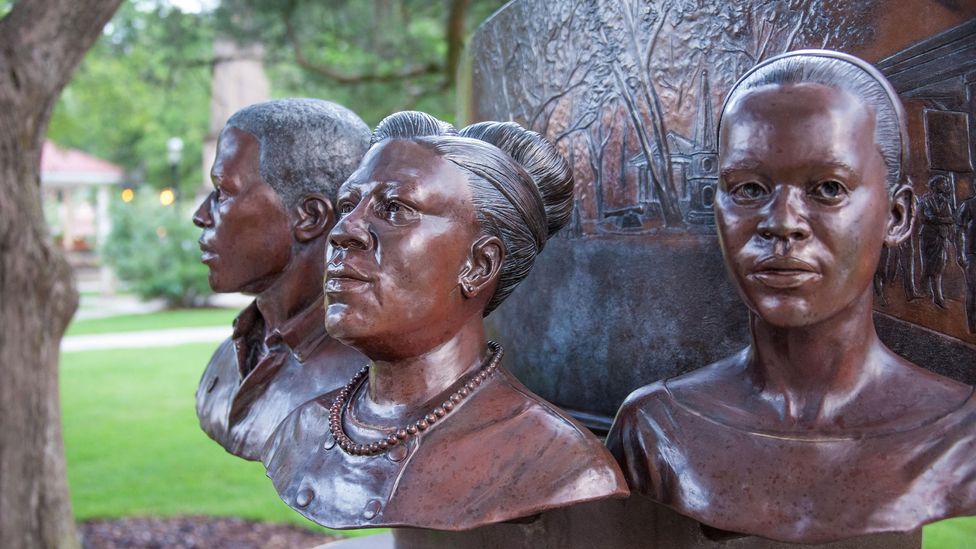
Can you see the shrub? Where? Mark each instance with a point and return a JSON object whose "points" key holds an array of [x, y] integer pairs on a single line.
{"points": [[154, 249]]}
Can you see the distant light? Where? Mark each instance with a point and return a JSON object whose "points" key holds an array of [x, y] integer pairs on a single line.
{"points": [[167, 197], [174, 150], [128, 195]]}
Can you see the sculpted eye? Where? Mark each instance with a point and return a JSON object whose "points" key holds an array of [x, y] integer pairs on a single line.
{"points": [[749, 191], [830, 190], [397, 212], [346, 208]]}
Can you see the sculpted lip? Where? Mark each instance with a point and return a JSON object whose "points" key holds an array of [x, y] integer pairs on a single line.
{"points": [[341, 277], [207, 254], [784, 272]]}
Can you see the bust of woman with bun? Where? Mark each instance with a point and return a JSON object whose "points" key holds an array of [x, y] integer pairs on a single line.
{"points": [[437, 228], [816, 431]]}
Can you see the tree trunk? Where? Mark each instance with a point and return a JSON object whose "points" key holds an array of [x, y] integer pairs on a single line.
{"points": [[41, 44]]}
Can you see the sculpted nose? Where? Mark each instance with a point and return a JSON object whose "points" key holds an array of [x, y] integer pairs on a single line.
{"points": [[202, 217], [350, 232], [785, 217]]}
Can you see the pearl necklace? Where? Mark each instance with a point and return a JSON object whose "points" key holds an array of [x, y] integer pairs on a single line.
{"points": [[399, 435]]}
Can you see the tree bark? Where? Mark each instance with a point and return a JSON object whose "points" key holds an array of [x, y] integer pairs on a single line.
{"points": [[41, 44]]}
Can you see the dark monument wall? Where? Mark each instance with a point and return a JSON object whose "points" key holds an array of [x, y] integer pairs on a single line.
{"points": [[635, 290], [614, 524]]}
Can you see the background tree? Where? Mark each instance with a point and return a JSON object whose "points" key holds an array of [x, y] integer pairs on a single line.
{"points": [[148, 77], [41, 44], [375, 57], [145, 80]]}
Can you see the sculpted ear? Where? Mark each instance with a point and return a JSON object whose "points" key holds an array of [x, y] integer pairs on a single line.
{"points": [[484, 265], [901, 218], [314, 217]]}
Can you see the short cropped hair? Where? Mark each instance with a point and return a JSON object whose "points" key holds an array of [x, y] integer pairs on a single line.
{"points": [[307, 145], [845, 72]]}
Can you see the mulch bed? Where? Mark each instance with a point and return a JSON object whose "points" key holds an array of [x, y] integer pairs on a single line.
{"points": [[195, 533]]}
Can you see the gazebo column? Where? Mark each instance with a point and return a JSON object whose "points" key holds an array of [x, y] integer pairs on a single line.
{"points": [[67, 218], [102, 229]]}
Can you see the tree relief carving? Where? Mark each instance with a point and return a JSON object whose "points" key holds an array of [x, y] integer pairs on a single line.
{"points": [[631, 93]]}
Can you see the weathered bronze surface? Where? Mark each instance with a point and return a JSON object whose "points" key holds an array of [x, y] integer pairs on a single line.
{"points": [[815, 431], [628, 90], [265, 225], [436, 229]]}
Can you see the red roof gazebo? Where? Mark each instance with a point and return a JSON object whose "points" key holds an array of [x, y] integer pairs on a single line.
{"points": [[68, 173]]}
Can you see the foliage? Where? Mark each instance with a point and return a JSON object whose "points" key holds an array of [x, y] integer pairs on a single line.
{"points": [[154, 249], [180, 318], [375, 57], [146, 79], [134, 446]]}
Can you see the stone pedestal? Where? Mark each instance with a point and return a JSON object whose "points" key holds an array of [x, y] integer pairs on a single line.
{"points": [[630, 524]]}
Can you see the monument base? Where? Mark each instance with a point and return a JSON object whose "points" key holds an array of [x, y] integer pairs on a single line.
{"points": [[633, 523]]}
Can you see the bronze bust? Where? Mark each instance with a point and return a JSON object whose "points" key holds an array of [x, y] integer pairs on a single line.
{"points": [[265, 225], [816, 431], [437, 228]]}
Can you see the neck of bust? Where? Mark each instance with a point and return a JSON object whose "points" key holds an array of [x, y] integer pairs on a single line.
{"points": [[811, 373], [404, 388], [295, 288]]}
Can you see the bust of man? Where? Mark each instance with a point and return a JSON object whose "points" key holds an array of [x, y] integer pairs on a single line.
{"points": [[816, 431], [265, 226]]}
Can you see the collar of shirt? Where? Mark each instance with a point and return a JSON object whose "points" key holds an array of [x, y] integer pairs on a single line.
{"points": [[302, 333]]}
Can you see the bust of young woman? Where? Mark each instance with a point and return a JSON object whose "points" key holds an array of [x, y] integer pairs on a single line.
{"points": [[816, 431], [437, 228]]}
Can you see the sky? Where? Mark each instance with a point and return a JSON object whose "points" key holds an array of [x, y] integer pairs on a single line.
{"points": [[194, 6]]}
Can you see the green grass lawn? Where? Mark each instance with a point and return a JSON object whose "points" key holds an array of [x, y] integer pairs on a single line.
{"points": [[179, 318], [957, 533], [134, 446]]}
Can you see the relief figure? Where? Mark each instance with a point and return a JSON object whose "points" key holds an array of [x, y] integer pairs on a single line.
{"points": [[966, 256], [938, 229]]}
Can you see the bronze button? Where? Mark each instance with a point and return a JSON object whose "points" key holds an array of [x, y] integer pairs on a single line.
{"points": [[373, 507], [398, 452], [304, 497]]}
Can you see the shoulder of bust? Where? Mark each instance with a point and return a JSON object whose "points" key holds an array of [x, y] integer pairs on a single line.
{"points": [[225, 355], [222, 364], [304, 422]]}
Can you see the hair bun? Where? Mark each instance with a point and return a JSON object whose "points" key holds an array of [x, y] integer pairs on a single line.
{"points": [[409, 125], [539, 158]]}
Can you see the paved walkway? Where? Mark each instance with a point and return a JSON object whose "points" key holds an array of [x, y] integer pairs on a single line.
{"points": [[152, 338], [102, 306]]}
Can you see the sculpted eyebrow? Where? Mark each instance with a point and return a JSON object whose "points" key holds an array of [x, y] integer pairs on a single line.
{"points": [[842, 166], [743, 166]]}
